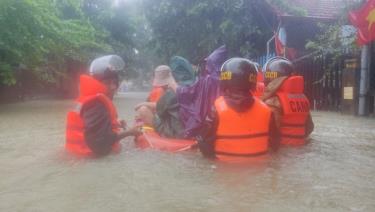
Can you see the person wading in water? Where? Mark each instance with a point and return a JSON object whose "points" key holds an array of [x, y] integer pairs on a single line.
{"points": [[93, 127]]}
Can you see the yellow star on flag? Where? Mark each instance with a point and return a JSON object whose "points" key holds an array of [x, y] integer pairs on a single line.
{"points": [[371, 18]]}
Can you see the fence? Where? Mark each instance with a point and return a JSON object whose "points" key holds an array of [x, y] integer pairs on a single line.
{"points": [[323, 79], [323, 84]]}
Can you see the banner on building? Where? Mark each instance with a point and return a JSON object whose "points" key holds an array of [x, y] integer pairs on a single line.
{"points": [[364, 20]]}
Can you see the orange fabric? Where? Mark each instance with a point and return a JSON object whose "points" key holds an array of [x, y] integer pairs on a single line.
{"points": [[75, 127], [296, 108], [240, 135], [259, 90], [89, 86], [155, 94], [151, 139]]}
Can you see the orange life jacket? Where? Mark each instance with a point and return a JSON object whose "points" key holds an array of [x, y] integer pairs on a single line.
{"points": [[296, 108], [155, 94], [90, 89], [241, 135]]}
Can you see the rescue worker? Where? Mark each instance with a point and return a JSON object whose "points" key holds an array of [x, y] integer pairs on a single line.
{"points": [[239, 126], [93, 127], [284, 95]]}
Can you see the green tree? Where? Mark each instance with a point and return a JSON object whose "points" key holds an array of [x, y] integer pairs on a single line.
{"points": [[193, 28], [40, 37]]}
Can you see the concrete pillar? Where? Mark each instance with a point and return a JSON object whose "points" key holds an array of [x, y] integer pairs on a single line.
{"points": [[364, 80]]}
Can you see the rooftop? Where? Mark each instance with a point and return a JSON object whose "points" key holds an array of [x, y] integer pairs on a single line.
{"points": [[317, 9]]}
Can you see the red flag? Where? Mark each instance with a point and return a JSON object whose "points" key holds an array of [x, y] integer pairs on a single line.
{"points": [[280, 45], [364, 20]]}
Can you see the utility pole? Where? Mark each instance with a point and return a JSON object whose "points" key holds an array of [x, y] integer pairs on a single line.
{"points": [[364, 80]]}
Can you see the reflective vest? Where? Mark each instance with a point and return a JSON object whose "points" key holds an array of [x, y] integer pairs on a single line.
{"points": [[241, 135], [75, 126], [296, 108]]}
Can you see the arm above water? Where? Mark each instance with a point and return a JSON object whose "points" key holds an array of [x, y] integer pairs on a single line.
{"points": [[99, 134], [207, 136]]}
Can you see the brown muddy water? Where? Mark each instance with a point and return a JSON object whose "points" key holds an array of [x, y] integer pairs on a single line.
{"points": [[334, 172]]}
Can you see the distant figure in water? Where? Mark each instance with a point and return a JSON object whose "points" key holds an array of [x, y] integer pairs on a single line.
{"points": [[92, 126], [284, 95]]}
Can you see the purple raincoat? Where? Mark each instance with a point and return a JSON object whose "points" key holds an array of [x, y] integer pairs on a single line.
{"points": [[196, 100]]}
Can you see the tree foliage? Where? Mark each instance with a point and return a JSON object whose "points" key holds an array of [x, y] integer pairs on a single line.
{"points": [[336, 37], [37, 34], [193, 28], [41, 40]]}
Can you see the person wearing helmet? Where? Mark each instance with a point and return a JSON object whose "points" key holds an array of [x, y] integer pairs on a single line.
{"points": [[239, 126], [284, 95], [92, 126]]}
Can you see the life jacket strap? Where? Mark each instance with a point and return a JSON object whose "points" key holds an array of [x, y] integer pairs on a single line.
{"points": [[234, 137], [241, 155]]}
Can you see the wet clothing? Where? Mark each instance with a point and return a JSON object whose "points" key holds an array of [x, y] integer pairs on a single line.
{"points": [[197, 99], [272, 99], [92, 126], [99, 135], [167, 121], [211, 132]]}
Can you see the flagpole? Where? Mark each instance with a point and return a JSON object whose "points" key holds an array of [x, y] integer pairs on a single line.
{"points": [[363, 86]]}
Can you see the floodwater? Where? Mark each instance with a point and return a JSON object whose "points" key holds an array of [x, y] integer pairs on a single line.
{"points": [[334, 172]]}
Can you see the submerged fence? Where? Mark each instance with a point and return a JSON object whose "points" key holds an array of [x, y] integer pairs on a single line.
{"points": [[323, 76], [323, 81]]}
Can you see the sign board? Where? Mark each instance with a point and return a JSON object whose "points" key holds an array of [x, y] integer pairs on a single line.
{"points": [[348, 93]]}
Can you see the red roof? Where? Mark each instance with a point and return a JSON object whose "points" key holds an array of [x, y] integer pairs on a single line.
{"points": [[320, 9]]}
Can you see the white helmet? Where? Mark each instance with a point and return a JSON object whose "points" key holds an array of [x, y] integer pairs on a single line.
{"points": [[106, 67]]}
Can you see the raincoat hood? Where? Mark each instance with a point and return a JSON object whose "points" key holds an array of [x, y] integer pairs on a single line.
{"points": [[215, 60], [182, 70]]}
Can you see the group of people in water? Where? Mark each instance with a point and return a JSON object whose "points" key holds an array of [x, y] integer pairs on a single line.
{"points": [[231, 110]]}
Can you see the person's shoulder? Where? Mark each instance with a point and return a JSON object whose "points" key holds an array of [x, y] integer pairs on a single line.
{"points": [[94, 105], [273, 101]]}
